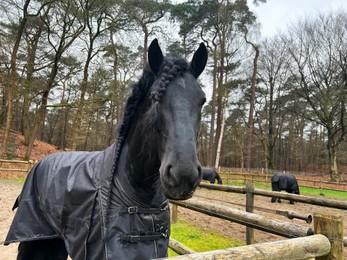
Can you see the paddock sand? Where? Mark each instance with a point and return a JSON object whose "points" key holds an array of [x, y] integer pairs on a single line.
{"points": [[9, 190]]}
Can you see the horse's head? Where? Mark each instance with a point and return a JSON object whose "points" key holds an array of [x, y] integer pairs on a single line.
{"points": [[177, 100]]}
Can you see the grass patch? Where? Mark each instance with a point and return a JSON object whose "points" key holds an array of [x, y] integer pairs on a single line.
{"points": [[13, 179], [200, 239], [330, 194]]}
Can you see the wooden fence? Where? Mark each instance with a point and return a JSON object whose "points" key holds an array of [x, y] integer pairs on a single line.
{"points": [[332, 203], [296, 248], [330, 226], [285, 229], [265, 178], [15, 168]]}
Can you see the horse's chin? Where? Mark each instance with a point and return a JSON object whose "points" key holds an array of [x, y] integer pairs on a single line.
{"points": [[178, 194]]}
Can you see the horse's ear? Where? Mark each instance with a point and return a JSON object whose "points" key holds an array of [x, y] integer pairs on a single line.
{"points": [[199, 60], [155, 56]]}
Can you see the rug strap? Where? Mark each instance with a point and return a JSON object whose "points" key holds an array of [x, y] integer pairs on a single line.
{"points": [[138, 210], [148, 236]]}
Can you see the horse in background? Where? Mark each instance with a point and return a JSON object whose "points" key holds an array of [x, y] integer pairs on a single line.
{"points": [[284, 181], [113, 204], [210, 174]]}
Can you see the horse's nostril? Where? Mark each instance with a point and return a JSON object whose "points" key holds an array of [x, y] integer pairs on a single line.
{"points": [[168, 171], [199, 171], [170, 175]]}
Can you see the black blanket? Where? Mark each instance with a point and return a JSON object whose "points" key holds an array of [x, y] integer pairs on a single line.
{"points": [[67, 195]]}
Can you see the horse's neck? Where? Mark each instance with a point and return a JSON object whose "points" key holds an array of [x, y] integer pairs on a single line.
{"points": [[136, 179]]}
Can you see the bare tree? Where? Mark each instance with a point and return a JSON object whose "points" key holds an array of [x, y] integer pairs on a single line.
{"points": [[94, 17], [318, 47], [273, 73], [146, 14], [250, 122], [60, 37], [13, 73]]}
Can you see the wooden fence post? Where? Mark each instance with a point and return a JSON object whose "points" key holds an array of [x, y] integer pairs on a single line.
{"points": [[330, 225], [174, 213], [321, 187], [249, 208]]}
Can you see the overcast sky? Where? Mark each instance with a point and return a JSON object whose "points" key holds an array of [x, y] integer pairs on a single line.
{"points": [[277, 14]]}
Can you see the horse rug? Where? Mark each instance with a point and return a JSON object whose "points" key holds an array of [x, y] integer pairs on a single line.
{"points": [[67, 195], [285, 181]]}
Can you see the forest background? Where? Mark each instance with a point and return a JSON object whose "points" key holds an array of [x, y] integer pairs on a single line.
{"points": [[277, 103]]}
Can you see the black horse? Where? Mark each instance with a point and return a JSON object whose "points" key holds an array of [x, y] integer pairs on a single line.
{"points": [[284, 181], [210, 174], [113, 204]]}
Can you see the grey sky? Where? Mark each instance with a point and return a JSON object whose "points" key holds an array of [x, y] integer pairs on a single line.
{"points": [[275, 15]]}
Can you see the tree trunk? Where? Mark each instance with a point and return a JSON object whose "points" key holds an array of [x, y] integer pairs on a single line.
{"points": [[32, 49], [42, 110], [78, 118], [334, 174], [220, 90], [270, 137], [219, 144], [12, 83], [213, 109], [38, 121], [250, 123], [76, 126], [145, 44]]}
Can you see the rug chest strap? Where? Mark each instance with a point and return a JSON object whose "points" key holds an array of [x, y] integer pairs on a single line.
{"points": [[139, 210], [143, 237]]}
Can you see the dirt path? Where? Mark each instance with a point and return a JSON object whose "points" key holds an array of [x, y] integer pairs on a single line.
{"points": [[9, 190]]}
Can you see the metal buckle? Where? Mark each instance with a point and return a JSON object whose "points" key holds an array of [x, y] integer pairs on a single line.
{"points": [[165, 208], [133, 210], [166, 233], [134, 239]]}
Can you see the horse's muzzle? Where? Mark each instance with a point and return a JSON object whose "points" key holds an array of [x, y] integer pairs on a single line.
{"points": [[180, 182]]}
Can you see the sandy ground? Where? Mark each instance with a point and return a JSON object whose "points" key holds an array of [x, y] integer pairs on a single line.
{"points": [[9, 190]]}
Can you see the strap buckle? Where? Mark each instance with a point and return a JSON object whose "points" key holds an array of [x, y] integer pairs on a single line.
{"points": [[165, 207], [133, 210], [134, 239]]}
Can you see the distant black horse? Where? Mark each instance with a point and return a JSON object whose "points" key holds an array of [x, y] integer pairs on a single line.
{"points": [[113, 204], [210, 174], [284, 181]]}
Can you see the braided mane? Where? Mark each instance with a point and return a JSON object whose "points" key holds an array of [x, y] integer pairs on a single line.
{"points": [[170, 70]]}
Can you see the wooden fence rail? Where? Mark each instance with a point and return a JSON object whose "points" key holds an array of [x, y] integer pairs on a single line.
{"points": [[339, 204], [282, 228], [265, 178], [331, 226], [16, 161], [180, 248], [331, 203], [296, 248], [16, 165], [225, 173]]}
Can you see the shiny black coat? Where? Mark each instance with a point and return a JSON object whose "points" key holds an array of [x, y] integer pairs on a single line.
{"points": [[286, 182], [209, 174]]}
